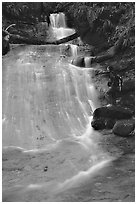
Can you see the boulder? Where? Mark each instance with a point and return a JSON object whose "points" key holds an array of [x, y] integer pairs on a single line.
{"points": [[124, 127], [101, 123], [98, 124], [112, 112], [110, 123]]}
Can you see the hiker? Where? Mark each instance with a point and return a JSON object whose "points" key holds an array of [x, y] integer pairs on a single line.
{"points": [[114, 84]]}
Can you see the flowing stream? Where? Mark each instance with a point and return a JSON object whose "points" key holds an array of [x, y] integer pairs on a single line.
{"points": [[59, 27], [49, 145]]}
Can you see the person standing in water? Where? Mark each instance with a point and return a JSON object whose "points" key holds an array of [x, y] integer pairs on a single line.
{"points": [[114, 84]]}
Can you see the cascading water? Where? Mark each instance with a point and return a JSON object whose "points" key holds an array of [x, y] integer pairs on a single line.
{"points": [[58, 20], [74, 50], [57, 100], [60, 30]]}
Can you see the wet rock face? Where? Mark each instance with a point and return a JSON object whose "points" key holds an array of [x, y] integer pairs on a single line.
{"points": [[124, 127], [83, 61], [79, 62]]}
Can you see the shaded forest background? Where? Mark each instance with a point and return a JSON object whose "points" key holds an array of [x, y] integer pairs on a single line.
{"points": [[105, 22]]}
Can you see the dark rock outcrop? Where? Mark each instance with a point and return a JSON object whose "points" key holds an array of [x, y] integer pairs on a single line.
{"points": [[98, 124], [105, 117], [102, 123], [124, 127], [112, 112], [79, 62], [110, 123]]}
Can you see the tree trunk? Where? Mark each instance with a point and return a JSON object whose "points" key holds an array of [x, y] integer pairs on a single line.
{"points": [[35, 41]]}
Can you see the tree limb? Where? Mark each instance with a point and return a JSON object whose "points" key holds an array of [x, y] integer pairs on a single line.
{"points": [[35, 41]]}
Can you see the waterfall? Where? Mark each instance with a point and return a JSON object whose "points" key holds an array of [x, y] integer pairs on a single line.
{"points": [[74, 50], [58, 20], [47, 112], [53, 125], [58, 24], [60, 30]]}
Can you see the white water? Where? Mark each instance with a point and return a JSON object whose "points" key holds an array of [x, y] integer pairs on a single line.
{"points": [[87, 98], [74, 50], [58, 20], [80, 99], [60, 30], [74, 143]]}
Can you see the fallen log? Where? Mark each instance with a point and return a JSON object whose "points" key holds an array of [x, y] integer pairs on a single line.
{"points": [[66, 39], [35, 41]]}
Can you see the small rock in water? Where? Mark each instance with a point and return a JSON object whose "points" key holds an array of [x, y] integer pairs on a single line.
{"points": [[79, 62], [46, 168]]}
